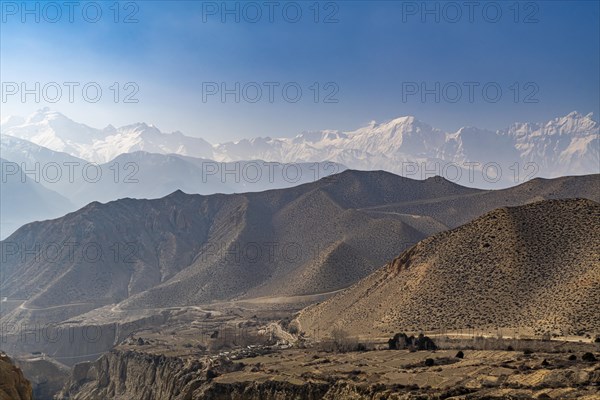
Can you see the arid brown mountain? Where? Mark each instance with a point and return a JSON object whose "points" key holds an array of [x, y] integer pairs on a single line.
{"points": [[211, 247], [13, 385], [534, 267], [187, 250]]}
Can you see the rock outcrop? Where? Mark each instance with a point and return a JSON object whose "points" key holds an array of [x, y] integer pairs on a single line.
{"points": [[132, 375], [310, 374], [13, 385]]}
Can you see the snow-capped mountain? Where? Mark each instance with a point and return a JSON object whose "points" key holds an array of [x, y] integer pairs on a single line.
{"points": [[57, 132], [563, 146], [24, 152], [568, 144], [404, 135], [11, 120]]}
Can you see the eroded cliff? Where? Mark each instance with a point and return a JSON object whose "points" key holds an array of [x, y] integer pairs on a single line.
{"points": [[13, 385]]}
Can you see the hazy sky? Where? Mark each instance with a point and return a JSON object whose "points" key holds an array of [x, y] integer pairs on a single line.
{"points": [[370, 57]]}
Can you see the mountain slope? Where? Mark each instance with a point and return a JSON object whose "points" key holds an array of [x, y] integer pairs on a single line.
{"points": [[200, 233], [191, 249], [528, 267], [144, 175], [23, 200]]}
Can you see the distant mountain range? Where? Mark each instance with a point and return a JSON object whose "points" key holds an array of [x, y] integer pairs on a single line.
{"points": [[567, 145], [140, 161], [56, 132]]}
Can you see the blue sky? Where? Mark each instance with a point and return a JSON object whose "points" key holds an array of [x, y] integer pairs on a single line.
{"points": [[369, 58]]}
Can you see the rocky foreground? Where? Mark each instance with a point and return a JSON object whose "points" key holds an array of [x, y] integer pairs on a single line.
{"points": [[13, 385], [136, 372]]}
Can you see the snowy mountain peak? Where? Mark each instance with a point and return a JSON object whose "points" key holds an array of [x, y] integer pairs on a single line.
{"points": [[11, 120], [55, 131], [573, 115], [572, 124], [407, 120], [575, 121], [137, 127], [45, 115]]}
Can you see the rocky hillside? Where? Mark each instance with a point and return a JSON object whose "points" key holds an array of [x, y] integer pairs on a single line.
{"points": [[13, 385], [139, 256], [530, 267], [205, 248]]}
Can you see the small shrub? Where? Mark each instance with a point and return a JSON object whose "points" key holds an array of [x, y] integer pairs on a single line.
{"points": [[401, 341], [572, 357], [425, 343], [460, 354], [285, 322], [510, 348], [342, 341], [429, 362], [527, 352], [588, 357], [210, 375]]}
